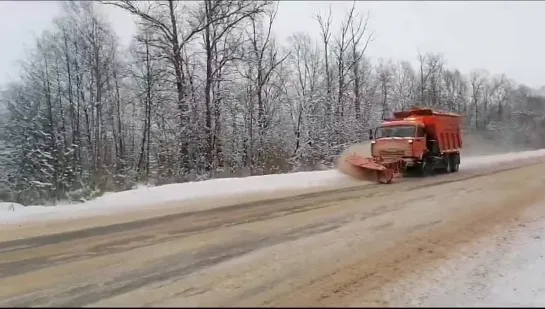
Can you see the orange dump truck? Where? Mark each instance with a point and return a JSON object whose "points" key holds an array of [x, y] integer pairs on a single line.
{"points": [[420, 140]]}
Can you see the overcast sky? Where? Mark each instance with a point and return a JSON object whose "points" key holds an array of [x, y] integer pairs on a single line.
{"points": [[501, 37]]}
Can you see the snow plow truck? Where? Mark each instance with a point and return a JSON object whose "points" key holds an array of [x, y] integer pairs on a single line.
{"points": [[418, 141]]}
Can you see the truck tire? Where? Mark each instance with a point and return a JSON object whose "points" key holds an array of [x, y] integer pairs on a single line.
{"points": [[425, 168], [448, 162], [455, 163]]}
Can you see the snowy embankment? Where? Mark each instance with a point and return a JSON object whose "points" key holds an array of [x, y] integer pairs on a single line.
{"points": [[217, 188]]}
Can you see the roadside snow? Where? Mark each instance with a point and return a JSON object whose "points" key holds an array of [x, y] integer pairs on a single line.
{"points": [[226, 187], [10, 207], [484, 161], [150, 196], [502, 270]]}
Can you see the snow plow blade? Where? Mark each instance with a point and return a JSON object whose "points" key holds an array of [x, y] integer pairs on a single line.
{"points": [[376, 169]]}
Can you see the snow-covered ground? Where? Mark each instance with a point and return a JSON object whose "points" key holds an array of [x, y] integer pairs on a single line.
{"points": [[505, 269], [226, 187]]}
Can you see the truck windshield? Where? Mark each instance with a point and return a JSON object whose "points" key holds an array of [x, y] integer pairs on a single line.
{"points": [[395, 131]]}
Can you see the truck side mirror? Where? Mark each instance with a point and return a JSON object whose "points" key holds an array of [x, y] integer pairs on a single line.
{"points": [[370, 134]]}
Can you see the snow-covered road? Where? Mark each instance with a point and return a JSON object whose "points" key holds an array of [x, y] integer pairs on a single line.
{"points": [[505, 267], [464, 239]]}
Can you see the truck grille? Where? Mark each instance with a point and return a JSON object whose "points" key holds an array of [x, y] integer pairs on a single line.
{"points": [[391, 152]]}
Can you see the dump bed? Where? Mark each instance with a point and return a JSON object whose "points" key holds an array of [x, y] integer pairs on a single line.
{"points": [[445, 127]]}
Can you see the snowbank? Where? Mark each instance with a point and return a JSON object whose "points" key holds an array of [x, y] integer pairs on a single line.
{"points": [[486, 161], [10, 207], [150, 196], [146, 196]]}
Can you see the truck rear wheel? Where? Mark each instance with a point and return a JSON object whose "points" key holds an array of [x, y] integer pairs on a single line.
{"points": [[448, 163], [454, 163]]}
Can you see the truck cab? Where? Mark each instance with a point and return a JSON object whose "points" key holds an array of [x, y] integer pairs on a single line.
{"points": [[423, 139]]}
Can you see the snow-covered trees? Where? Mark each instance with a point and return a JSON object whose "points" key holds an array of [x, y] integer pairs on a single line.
{"points": [[205, 90], [64, 128]]}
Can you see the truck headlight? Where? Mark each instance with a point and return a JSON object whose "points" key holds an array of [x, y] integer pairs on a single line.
{"points": [[410, 141]]}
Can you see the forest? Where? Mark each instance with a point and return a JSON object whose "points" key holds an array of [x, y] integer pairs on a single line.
{"points": [[205, 90]]}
